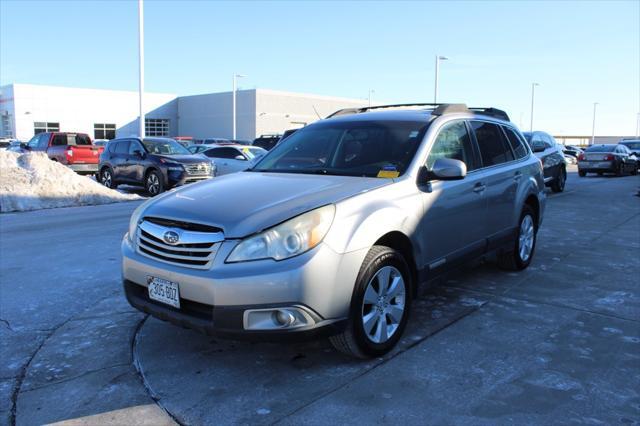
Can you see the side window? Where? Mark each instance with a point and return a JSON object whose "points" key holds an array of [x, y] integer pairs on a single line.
{"points": [[135, 146], [59, 140], [122, 147], [549, 142], [494, 148], [222, 153], [518, 146], [111, 146], [454, 142]]}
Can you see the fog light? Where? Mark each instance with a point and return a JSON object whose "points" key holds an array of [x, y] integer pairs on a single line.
{"points": [[284, 318]]}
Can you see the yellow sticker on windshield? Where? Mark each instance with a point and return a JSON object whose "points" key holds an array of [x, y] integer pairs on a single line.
{"points": [[388, 174], [245, 150]]}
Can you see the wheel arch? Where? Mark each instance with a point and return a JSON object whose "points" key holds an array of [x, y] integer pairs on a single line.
{"points": [[402, 243]]}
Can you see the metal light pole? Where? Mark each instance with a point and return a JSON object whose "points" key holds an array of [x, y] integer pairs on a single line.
{"points": [[370, 92], [141, 67], [593, 126], [533, 93], [235, 77], [638, 125], [435, 89]]}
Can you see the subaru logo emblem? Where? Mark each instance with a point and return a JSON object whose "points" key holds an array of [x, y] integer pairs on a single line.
{"points": [[171, 237]]}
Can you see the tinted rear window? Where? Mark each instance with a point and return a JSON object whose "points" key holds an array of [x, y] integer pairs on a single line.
{"points": [[517, 144], [494, 148], [71, 139], [122, 147], [601, 148]]}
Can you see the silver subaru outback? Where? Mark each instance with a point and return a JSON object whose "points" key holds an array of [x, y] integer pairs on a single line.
{"points": [[331, 233]]}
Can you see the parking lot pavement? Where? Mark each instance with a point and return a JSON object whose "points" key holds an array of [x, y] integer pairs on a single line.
{"points": [[559, 342]]}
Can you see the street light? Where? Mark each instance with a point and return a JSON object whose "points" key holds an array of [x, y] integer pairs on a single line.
{"points": [[233, 107], [638, 126], [435, 89], [533, 92], [593, 126], [370, 92], [141, 67]]}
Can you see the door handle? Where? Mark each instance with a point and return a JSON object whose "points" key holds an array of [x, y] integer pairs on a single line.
{"points": [[479, 188], [517, 176]]}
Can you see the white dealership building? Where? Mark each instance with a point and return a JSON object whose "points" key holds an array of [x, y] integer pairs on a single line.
{"points": [[27, 109]]}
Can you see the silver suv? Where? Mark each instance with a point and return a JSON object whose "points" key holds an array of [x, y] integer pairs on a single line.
{"points": [[334, 229]]}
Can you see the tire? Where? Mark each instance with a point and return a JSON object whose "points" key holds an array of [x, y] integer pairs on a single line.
{"points": [[560, 181], [382, 264], [106, 178], [582, 174], [620, 170], [600, 173], [519, 258], [153, 183]]}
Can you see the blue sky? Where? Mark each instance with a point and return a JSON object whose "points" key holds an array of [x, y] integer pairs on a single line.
{"points": [[579, 52]]}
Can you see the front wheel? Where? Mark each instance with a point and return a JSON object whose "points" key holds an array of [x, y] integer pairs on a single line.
{"points": [[520, 256], [380, 305], [153, 183]]}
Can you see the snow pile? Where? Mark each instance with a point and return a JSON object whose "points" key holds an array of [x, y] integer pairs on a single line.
{"points": [[31, 181]]}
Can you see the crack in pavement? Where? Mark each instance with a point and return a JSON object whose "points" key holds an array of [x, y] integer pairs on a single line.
{"points": [[5, 322], [77, 376]]}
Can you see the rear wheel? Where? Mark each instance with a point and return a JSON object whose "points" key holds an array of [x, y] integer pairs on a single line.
{"points": [[379, 307], [525, 243], [620, 170], [559, 181], [153, 183], [106, 178], [581, 173]]}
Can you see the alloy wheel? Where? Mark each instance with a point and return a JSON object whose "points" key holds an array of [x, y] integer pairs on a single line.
{"points": [[383, 306], [106, 178], [526, 238], [153, 184]]}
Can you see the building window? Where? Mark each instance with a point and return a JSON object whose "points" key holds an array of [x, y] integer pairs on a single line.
{"points": [[156, 127], [41, 127], [6, 126], [104, 131]]}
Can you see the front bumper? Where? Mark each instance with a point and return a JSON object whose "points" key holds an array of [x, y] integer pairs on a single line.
{"points": [[214, 301], [179, 178]]}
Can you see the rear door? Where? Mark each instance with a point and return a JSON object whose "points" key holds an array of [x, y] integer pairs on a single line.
{"points": [[119, 160], [501, 174], [455, 211], [135, 163]]}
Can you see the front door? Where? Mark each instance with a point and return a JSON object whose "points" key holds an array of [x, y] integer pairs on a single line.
{"points": [[455, 211]]}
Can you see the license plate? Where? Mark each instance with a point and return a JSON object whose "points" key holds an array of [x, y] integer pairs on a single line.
{"points": [[164, 291], [602, 165]]}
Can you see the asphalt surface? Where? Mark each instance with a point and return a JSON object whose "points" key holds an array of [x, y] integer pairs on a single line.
{"points": [[557, 343]]}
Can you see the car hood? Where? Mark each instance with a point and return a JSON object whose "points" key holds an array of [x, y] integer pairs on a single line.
{"points": [[182, 159], [248, 202]]}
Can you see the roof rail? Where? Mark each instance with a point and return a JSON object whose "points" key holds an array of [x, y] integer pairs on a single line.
{"points": [[360, 110], [438, 109]]}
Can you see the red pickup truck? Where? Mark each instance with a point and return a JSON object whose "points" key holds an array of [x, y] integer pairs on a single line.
{"points": [[74, 150]]}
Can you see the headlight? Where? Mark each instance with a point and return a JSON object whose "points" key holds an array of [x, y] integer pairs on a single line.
{"points": [[291, 238], [134, 221]]}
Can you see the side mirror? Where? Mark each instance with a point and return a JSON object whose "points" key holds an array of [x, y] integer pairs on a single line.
{"points": [[240, 157], [538, 147], [443, 169]]}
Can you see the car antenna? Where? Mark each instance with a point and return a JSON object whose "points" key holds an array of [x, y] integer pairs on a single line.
{"points": [[316, 111]]}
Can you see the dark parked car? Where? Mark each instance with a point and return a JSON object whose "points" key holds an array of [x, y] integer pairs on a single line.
{"points": [[267, 141], [609, 158], [551, 156], [572, 150], [633, 145], [155, 163]]}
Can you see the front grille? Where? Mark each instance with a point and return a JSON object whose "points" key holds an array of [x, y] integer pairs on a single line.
{"points": [[189, 226], [198, 169], [194, 249]]}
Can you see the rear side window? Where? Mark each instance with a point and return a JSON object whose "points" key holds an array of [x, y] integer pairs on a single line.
{"points": [[70, 139], [453, 142], [122, 147], [494, 148], [59, 140], [519, 149]]}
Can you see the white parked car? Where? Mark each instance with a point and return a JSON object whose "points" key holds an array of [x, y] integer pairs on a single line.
{"points": [[230, 158]]}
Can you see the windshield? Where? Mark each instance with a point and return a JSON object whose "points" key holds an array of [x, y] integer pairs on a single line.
{"points": [[351, 148], [631, 144], [601, 148], [165, 147], [253, 152]]}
